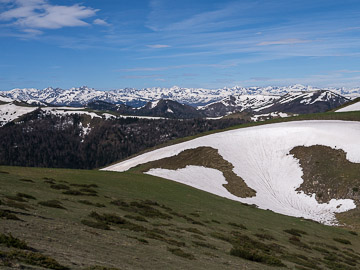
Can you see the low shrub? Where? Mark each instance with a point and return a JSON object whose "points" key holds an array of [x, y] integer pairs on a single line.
{"points": [[137, 218], [236, 225], [342, 241], [253, 255], [52, 204], [297, 242], [18, 205], [13, 242], [15, 198], [91, 203], [26, 196], [193, 230], [85, 185], [5, 214], [36, 259], [295, 232], [203, 244], [179, 252], [95, 224], [59, 186], [264, 236], [26, 180]]}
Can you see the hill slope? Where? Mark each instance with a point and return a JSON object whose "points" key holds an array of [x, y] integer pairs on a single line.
{"points": [[93, 219], [261, 157]]}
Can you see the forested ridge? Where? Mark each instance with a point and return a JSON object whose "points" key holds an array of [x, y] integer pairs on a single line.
{"points": [[58, 141]]}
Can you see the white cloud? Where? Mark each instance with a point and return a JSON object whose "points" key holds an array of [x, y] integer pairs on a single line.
{"points": [[289, 41], [40, 14], [101, 22], [158, 46]]}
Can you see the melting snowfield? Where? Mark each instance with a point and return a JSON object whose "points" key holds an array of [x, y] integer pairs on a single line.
{"points": [[10, 112], [260, 156], [350, 108]]}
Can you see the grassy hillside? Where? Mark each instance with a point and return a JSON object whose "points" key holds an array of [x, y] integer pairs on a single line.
{"points": [[78, 219]]}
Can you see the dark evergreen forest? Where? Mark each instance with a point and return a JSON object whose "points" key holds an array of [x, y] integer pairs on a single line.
{"points": [[57, 142]]}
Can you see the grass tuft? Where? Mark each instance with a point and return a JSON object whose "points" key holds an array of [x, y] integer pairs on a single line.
{"points": [[295, 232], [5, 214], [11, 241], [253, 255], [52, 204], [179, 252], [95, 224], [342, 241], [26, 196]]}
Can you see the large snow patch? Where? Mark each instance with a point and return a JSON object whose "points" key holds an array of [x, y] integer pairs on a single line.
{"points": [[260, 156]]}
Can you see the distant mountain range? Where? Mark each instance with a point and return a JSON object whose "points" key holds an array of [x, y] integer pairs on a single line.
{"points": [[248, 107], [139, 97]]}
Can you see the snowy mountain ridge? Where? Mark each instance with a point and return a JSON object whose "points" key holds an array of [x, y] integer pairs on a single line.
{"points": [[139, 97]]}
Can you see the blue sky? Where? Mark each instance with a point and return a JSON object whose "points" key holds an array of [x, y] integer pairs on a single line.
{"points": [[203, 43]]}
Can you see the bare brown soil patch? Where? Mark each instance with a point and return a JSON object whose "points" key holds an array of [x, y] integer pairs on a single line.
{"points": [[206, 157], [327, 173]]}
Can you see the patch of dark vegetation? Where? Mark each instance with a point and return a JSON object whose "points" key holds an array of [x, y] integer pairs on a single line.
{"points": [[105, 144], [91, 203], [295, 232], [188, 219], [26, 196], [204, 244], [141, 240], [198, 237], [3, 172], [26, 180], [52, 204], [236, 225], [193, 230], [88, 190], [13, 242], [297, 242], [321, 244], [255, 256], [162, 224], [16, 204], [264, 236], [137, 218], [342, 241], [215, 221], [152, 234], [5, 214], [59, 186], [15, 198], [143, 208], [221, 236], [333, 262], [194, 214], [33, 258], [353, 233], [77, 193], [120, 203], [320, 249], [85, 185], [112, 219], [302, 260], [95, 224], [179, 252]]}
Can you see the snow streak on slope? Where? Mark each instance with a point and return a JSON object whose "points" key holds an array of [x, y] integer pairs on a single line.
{"points": [[260, 156], [350, 108], [9, 112]]}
